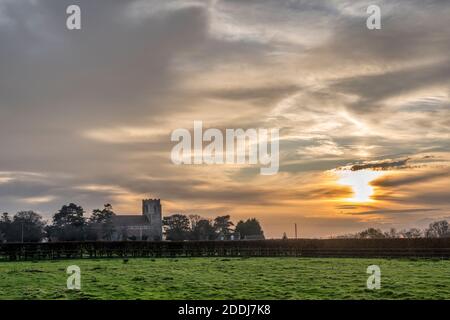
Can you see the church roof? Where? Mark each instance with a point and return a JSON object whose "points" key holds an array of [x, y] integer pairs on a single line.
{"points": [[130, 220]]}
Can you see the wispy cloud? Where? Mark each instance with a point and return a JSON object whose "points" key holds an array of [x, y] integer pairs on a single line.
{"points": [[86, 116]]}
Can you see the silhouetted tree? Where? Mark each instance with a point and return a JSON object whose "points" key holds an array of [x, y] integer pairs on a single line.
{"points": [[251, 227], [438, 229], [5, 226], [194, 219], [176, 227], [68, 224], [223, 225], [71, 214], [203, 229], [100, 223], [5, 218], [371, 233], [26, 226], [411, 233], [392, 233]]}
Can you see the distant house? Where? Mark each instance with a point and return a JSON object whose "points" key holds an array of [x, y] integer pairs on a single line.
{"points": [[229, 237]]}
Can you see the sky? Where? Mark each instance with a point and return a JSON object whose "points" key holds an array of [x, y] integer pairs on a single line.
{"points": [[86, 115]]}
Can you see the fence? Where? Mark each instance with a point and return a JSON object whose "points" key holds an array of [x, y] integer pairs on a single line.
{"points": [[439, 248]]}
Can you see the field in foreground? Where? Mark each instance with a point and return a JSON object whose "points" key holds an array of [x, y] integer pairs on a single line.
{"points": [[227, 278]]}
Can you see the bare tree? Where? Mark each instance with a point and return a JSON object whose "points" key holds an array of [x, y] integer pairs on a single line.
{"points": [[392, 233], [194, 219], [371, 233], [412, 233], [438, 229]]}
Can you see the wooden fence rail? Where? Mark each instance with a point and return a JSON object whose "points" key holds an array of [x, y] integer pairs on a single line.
{"points": [[439, 248]]}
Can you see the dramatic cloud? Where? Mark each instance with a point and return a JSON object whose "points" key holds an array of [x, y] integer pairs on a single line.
{"points": [[86, 116]]}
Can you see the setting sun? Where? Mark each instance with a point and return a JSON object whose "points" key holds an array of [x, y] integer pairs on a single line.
{"points": [[359, 181]]}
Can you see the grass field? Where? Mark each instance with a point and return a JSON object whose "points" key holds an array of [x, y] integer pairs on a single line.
{"points": [[222, 278]]}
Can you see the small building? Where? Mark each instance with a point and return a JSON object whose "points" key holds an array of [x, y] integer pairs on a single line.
{"points": [[229, 237]]}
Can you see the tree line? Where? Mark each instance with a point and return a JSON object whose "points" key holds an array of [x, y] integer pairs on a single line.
{"points": [[437, 229], [70, 224], [195, 227]]}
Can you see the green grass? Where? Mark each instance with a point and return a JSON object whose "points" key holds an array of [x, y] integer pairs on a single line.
{"points": [[223, 278]]}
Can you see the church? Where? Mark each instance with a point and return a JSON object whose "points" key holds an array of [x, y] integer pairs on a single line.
{"points": [[147, 226]]}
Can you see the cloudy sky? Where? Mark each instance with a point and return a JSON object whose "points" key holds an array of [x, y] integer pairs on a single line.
{"points": [[364, 115]]}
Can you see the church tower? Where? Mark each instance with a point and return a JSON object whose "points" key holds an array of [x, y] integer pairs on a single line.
{"points": [[151, 208]]}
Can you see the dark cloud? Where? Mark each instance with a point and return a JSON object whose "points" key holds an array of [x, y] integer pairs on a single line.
{"points": [[375, 88], [432, 198], [410, 178], [378, 165], [329, 193], [394, 211], [106, 71]]}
